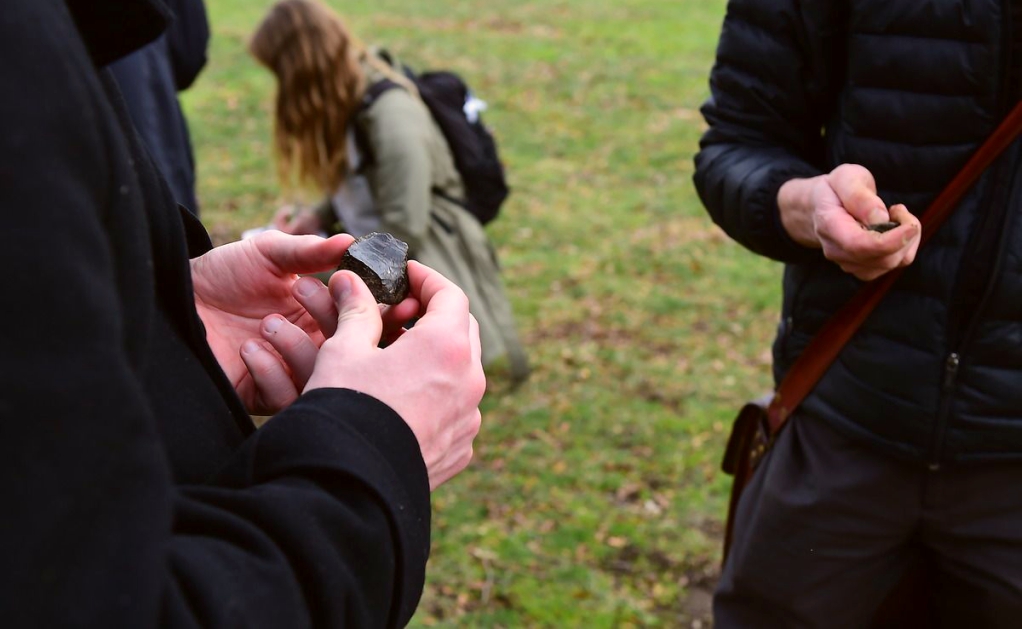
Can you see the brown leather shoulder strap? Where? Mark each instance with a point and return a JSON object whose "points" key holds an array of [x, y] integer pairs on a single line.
{"points": [[831, 339]]}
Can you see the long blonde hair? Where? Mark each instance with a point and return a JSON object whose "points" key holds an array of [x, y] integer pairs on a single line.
{"points": [[319, 84]]}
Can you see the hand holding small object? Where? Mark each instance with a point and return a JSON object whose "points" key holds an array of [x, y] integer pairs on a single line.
{"points": [[841, 213], [431, 375], [265, 323]]}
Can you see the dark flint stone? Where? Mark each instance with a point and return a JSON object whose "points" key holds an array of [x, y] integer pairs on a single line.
{"points": [[382, 262], [883, 227]]}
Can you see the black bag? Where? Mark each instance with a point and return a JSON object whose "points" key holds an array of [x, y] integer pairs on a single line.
{"points": [[472, 145]]}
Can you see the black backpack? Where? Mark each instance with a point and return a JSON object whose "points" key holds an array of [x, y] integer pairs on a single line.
{"points": [[472, 145]]}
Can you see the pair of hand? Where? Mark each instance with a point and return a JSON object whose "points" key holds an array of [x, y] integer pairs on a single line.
{"points": [[277, 335], [831, 211]]}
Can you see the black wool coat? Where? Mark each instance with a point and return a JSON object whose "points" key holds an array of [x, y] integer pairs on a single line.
{"points": [[136, 492], [909, 90]]}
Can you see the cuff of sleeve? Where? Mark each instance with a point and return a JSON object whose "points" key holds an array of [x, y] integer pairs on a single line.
{"points": [[344, 431]]}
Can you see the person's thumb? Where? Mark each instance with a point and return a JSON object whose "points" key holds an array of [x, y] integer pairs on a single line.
{"points": [[359, 323], [303, 254], [857, 190]]}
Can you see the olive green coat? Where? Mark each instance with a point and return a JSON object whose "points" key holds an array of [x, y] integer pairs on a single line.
{"points": [[409, 159]]}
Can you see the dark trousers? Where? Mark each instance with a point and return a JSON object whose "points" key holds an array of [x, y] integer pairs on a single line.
{"points": [[827, 527]]}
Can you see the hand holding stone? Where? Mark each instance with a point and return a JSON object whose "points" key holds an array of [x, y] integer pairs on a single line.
{"points": [[432, 375]]}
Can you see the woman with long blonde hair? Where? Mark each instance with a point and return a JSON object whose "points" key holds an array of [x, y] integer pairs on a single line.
{"points": [[382, 166]]}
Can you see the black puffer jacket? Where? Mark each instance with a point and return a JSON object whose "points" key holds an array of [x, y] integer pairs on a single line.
{"points": [[908, 90]]}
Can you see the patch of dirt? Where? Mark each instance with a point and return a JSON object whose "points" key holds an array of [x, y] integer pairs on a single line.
{"points": [[694, 607]]}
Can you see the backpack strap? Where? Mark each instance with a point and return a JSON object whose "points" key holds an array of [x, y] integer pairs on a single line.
{"points": [[372, 93]]}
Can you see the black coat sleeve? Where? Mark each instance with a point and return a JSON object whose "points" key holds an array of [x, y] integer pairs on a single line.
{"points": [[187, 40], [321, 517], [772, 88]]}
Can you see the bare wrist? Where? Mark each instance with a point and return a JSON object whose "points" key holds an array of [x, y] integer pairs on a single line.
{"points": [[795, 207]]}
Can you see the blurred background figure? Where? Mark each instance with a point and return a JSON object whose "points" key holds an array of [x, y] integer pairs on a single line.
{"points": [[150, 79], [379, 159]]}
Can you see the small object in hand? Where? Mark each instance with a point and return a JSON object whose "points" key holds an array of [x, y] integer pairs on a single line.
{"points": [[883, 227], [382, 262]]}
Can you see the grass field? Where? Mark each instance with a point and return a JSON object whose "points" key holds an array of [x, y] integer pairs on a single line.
{"points": [[595, 497]]}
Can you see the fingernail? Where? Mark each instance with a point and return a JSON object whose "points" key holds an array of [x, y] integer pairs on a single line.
{"points": [[273, 324], [878, 215], [307, 287], [343, 284], [249, 347]]}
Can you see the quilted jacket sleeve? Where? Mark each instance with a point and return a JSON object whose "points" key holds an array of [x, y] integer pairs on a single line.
{"points": [[771, 90]]}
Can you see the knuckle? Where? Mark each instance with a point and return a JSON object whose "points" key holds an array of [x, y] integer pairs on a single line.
{"points": [[267, 370], [476, 424], [354, 311], [857, 171], [838, 174], [860, 198], [479, 388], [454, 351], [298, 344]]}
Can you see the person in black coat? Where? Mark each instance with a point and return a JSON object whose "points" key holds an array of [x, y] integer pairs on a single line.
{"points": [[825, 117], [136, 491], [150, 78]]}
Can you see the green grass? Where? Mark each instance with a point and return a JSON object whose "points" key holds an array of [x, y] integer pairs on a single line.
{"points": [[595, 497]]}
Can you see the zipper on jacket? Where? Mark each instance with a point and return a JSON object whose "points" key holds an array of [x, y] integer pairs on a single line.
{"points": [[1003, 190], [959, 341]]}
